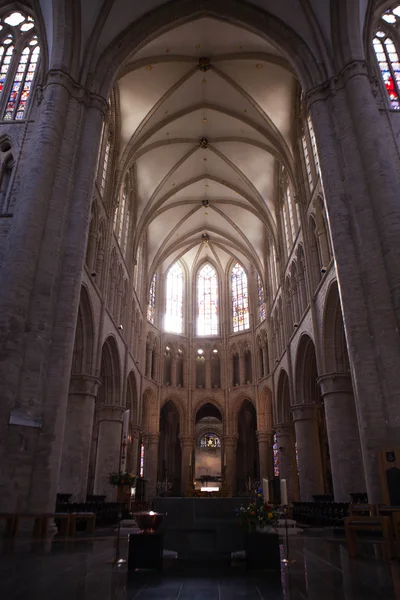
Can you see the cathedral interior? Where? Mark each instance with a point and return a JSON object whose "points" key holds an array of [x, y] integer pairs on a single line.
{"points": [[200, 281]]}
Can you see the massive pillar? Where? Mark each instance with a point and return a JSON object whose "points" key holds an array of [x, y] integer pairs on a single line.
{"points": [[187, 468], [287, 460], [265, 452], [40, 289], [109, 441], [151, 441], [78, 436], [359, 165], [309, 451], [229, 462], [344, 440]]}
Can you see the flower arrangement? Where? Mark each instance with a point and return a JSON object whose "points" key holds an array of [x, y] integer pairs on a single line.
{"points": [[121, 478], [258, 513]]}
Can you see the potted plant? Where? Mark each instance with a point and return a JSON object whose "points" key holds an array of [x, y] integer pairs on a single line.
{"points": [[259, 519]]}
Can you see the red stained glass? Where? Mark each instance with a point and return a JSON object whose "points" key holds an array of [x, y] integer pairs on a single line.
{"points": [[388, 61]]}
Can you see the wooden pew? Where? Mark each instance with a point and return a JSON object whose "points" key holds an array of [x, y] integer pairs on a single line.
{"points": [[372, 524]]}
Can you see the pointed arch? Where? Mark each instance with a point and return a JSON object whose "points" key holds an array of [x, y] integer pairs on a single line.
{"points": [[264, 414], [240, 298], [336, 359], [283, 398], [110, 374], [306, 372], [82, 360]]}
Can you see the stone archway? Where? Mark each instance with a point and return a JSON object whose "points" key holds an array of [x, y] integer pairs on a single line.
{"points": [[208, 446], [247, 459], [285, 438], [310, 426], [169, 452], [340, 409]]}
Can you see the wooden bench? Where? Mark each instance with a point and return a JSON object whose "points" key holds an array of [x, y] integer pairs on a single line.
{"points": [[40, 523], [355, 509], [372, 524], [90, 519]]}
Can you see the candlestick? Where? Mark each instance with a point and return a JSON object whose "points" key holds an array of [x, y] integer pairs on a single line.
{"points": [[284, 499], [265, 486]]}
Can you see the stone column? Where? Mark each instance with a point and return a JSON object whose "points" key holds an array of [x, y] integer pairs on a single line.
{"points": [[229, 449], [78, 436], [344, 440], [287, 460], [309, 451], [174, 362], [242, 368], [108, 448], [40, 289], [265, 453], [208, 371], [135, 450], [265, 359], [151, 441], [357, 164], [187, 468], [149, 360]]}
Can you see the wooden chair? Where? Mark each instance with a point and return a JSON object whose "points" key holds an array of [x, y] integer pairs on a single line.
{"points": [[356, 509], [90, 519], [372, 524]]}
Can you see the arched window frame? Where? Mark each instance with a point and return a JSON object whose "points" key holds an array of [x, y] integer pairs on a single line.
{"points": [[210, 440], [213, 319], [385, 44], [261, 303], [174, 294], [151, 305], [122, 217], [20, 75], [240, 298]]}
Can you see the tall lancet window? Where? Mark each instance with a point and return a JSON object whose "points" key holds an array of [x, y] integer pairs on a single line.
{"points": [[174, 296], [240, 299], [151, 307], [207, 301], [262, 309], [19, 58], [387, 56]]}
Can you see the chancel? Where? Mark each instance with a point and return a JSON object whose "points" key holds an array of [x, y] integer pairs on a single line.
{"points": [[200, 297]]}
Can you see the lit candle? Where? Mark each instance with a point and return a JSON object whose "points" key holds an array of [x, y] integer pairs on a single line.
{"points": [[266, 490], [284, 500]]}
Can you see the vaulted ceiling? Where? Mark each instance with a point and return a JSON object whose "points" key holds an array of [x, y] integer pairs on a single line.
{"points": [[207, 117]]}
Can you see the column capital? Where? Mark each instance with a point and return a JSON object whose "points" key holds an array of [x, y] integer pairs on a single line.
{"points": [[75, 90], [264, 436], [230, 440], [303, 412], [187, 441], [86, 385], [283, 429], [151, 438], [110, 413], [335, 383]]}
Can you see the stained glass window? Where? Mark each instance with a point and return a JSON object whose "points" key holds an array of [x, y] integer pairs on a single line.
{"points": [[240, 299], [262, 309], [151, 308], [105, 166], [6, 53], [388, 60], [141, 469], [121, 215], [313, 143], [286, 229], [174, 295], [307, 161], [276, 457], [207, 301], [210, 440], [23, 79]]}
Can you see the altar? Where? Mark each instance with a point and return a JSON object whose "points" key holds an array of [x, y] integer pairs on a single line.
{"points": [[201, 527]]}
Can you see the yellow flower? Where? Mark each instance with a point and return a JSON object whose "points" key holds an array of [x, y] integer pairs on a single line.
{"points": [[269, 515], [259, 495]]}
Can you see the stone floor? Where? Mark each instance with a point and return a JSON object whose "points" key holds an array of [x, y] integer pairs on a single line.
{"points": [[80, 570]]}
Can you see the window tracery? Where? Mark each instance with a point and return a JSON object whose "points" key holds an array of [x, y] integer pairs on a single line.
{"points": [[262, 308], [276, 457], [151, 307], [174, 300], [387, 55], [240, 299], [210, 440], [19, 59], [207, 301]]}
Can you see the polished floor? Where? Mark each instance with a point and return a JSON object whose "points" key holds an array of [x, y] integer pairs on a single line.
{"points": [[81, 570]]}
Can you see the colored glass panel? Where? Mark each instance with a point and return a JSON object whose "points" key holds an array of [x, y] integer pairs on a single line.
{"points": [[207, 301], [262, 309], [141, 469], [276, 457], [240, 299], [210, 440], [6, 53], [21, 87], [174, 295], [389, 66], [105, 167], [121, 218], [307, 161], [313, 143], [151, 307]]}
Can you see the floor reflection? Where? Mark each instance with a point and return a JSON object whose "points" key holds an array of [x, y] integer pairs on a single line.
{"points": [[80, 569]]}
